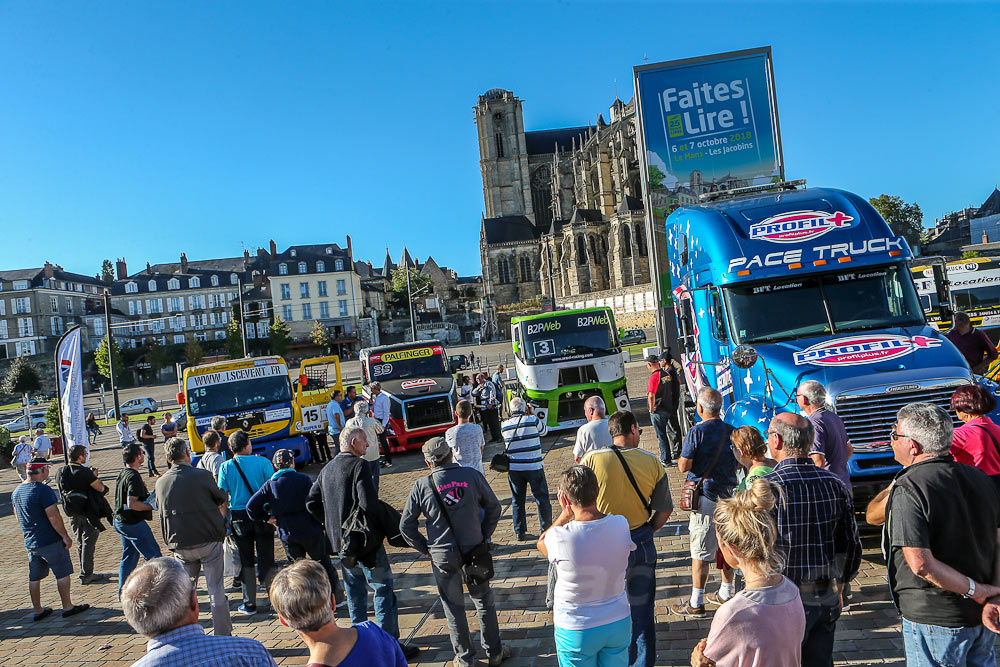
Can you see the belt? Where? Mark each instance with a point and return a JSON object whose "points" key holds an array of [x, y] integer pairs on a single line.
{"points": [[817, 587]]}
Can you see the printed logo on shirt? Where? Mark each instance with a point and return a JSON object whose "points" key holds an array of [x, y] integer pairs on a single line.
{"points": [[452, 492]]}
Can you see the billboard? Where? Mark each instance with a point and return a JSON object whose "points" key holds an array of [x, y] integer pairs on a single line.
{"points": [[707, 124]]}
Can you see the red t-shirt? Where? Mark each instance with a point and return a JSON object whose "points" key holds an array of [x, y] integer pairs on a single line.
{"points": [[971, 444]]}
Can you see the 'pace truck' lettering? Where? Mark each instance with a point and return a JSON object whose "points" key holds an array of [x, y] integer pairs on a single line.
{"points": [[827, 252]]}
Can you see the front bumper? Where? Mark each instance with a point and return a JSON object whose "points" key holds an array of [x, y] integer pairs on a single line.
{"points": [[296, 443], [402, 440]]}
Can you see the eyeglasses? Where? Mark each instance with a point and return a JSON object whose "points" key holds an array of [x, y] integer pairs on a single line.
{"points": [[893, 435]]}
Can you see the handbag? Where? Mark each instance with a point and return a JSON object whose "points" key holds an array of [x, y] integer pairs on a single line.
{"points": [[692, 489], [359, 540], [477, 563], [501, 462], [994, 478], [238, 524], [631, 478]]}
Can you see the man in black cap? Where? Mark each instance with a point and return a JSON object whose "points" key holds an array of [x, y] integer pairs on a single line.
{"points": [[670, 366], [462, 512], [659, 397]]}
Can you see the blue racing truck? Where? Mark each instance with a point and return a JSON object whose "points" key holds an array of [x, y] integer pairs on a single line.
{"points": [[774, 285]]}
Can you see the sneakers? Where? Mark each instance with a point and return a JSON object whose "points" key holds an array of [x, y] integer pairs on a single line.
{"points": [[246, 610], [410, 651], [685, 609], [714, 599], [495, 660]]}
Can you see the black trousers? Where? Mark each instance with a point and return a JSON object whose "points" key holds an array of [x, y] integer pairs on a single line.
{"points": [[255, 542], [383, 445], [316, 549], [491, 419], [150, 448]]}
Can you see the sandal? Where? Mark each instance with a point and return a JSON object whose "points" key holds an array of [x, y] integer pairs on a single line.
{"points": [[75, 610], [43, 613]]}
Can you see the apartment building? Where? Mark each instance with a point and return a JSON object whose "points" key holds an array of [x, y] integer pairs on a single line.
{"points": [[37, 306], [317, 283]]}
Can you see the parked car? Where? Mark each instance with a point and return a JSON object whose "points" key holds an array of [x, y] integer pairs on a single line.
{"points": [[458, 362], [632, 336], [135, 406], [19, 424], [181, 418]]}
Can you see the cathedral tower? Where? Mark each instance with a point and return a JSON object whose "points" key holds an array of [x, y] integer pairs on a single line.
{"points": [[503, 156]]}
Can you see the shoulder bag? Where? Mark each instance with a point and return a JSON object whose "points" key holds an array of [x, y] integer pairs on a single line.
{"points": [[631, 478], [477, 563], [692, 489], [501, 462]]}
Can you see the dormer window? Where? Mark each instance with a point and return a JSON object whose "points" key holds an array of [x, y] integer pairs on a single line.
{"points": [[320, 266], [131, 288], [215, 281], [234, 279], [292, 252], [173, 283], [339, 265], [194, 282], [302, 267], [152, 285], [282, 269], [329, 250]]}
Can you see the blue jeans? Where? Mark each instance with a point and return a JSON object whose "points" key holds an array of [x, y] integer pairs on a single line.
{"points": [[821, 624], [667, 435], [376, 469], [640, 585], [933, 645], [380, 579], [519, 481], [603, 646], [137, 540]]}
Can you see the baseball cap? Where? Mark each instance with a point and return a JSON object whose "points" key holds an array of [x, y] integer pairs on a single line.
{"points": [[283, 458], [37, 463], [436, 450]]}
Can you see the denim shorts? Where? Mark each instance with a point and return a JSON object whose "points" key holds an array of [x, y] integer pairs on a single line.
{"points": [[53, 556]]}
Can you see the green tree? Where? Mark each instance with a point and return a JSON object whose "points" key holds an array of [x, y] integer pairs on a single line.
{"points": [[52, 424], [107, 274], [193, 352], [101, 359], [906, 220], [970, 254], [234, 340], [21, 378], [417, 280], [319, 336], [280, 336], [656, 176]]}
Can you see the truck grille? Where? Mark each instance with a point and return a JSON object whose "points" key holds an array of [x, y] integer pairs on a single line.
{"points": [[577, 375], [430, 411], [571, 404], [869, 418]]}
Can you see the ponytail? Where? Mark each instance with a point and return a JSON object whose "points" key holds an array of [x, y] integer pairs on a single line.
{"points": [[744, 522]]}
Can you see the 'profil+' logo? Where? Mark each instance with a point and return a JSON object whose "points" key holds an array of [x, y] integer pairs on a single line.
{"points": [[797, 226], [864, 349]]}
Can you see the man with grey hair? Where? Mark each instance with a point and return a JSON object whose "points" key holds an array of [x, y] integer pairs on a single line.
{"points": [[372, 428], [219, 426], [380, 411], [594, 434], [707, 458], [523, 446], [343, 484], [192, 511], [462, 512], [816, 532], [944, 544], [831, 447], [160, 602], [301, 596]]}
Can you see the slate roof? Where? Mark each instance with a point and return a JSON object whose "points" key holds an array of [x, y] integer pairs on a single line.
{"points": [[509, 229], [540, 142], [630, 204], [584, 215], [36, 276], [223, 265]]}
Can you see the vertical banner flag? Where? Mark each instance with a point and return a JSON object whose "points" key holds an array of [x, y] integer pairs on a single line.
{"points": [[69, 376], [708, 124]]}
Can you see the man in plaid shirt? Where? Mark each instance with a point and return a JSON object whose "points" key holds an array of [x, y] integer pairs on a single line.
{"points": [[816, 532]]}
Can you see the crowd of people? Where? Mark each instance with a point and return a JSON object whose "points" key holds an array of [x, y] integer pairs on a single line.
{"points": [[772, 512]]}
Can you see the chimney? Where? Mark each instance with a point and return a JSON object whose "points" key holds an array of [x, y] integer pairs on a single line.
{"points": [[258, 279], [49, 270], [184, 262], [350, 252], [121, 270], [148, 267], [274, 248]]}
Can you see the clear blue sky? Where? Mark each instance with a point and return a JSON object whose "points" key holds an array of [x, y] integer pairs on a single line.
{"points": [[144, 129]]}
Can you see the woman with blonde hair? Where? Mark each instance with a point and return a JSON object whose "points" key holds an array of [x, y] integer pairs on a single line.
{"points": [[764, 623], [750, 450]]}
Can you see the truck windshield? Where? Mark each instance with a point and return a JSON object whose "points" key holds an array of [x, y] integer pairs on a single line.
{"points": [[576, 336], [871, 298], [416, 362], [239, 396]]}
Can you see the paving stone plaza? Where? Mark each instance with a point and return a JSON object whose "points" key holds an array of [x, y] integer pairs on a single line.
{"points": [[869, 633]]}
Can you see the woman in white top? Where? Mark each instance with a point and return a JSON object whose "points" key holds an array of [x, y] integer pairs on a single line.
{"points": [[593, 624]]}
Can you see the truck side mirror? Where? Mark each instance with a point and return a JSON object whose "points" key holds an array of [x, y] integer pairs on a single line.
{"points": [[744, 356], [517, 347], [942, 289]]}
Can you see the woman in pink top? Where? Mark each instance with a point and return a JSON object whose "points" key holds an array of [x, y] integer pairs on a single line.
{"points": [[762, 625], [977, 443]]}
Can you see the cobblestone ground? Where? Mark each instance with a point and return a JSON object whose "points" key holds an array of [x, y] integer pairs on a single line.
{"points": [[869, 633]]}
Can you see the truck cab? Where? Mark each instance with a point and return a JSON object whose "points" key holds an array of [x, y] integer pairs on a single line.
{"points": [[815, 284], [421, 389]]}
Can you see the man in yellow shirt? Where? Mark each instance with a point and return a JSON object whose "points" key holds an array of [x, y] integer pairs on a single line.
{"points": [[633, 483]]}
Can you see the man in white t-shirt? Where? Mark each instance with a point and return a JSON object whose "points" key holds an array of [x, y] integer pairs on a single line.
{"points": [[42, 445], [594, 434], [466, 439], [590, 550]]}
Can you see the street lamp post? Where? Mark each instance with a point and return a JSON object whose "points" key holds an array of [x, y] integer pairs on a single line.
{"points": [[111, 355]]}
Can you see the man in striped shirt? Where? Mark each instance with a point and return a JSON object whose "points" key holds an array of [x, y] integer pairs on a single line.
{"points": [[520, 437]]}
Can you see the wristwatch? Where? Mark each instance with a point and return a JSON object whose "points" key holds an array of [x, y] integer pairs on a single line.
{"points": [[972, 588]]}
